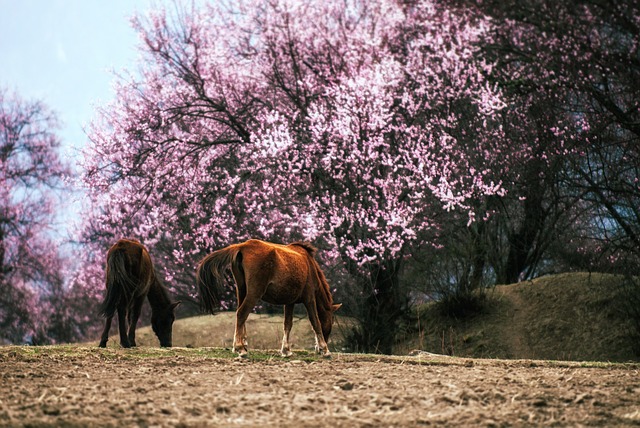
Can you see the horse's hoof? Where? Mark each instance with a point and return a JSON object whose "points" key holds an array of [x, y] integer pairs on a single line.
{"points": [[327, 355], [286, 354], [242, 352], [102, 345]]}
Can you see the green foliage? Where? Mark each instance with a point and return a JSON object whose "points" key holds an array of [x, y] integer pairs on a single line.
{"points": [[73, 352]]}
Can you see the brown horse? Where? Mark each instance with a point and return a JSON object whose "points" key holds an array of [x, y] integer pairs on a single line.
{"points": [[277, 274], [130, 278]]}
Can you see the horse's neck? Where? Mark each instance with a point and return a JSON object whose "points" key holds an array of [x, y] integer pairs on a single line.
{"points": [[158, 296], [324, 299], [322, 290]]}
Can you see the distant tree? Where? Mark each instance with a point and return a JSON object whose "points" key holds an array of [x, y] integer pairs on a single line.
{"points": [[30, 167], [569, 75], [602, 78], [347, 123]]}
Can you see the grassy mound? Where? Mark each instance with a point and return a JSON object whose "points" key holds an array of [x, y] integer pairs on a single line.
{"points": [[571, 317], [576, 316]]}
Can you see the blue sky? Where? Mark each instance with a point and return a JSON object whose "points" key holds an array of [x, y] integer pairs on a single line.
{"points": [[62, 53]]}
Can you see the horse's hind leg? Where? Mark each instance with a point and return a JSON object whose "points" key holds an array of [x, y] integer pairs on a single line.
{"points": [[288, 323], [241, 294], [105, 332], [241, 291], [239, 340], [122, 327], [134, 315]]}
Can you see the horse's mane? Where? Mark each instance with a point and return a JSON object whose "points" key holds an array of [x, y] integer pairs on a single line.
{"points": [[157, 291], [307, 246], [157, 286], [323, 285]]}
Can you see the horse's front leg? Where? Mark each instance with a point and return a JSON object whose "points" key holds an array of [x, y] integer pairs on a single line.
{"points": [[321, 344], [285, 351], [122, 327], [105, 332]]}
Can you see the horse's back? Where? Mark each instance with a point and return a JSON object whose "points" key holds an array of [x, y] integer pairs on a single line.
{"points": [[273, 256], [138, 262], [282, 269], [132, 248]]}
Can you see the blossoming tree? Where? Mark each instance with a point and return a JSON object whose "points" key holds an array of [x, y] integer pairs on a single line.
{"points": [[30, 166], [573, 70], [351, 124]]}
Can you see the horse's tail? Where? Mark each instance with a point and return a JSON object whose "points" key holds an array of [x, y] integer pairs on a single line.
{"points": [[120, 284], [210, 277]]}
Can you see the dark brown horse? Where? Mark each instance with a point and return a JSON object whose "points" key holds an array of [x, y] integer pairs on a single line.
{"points": [[277, 274], [131, 278]]}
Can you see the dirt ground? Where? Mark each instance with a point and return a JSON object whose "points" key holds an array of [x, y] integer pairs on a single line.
{"points": [[151, 387]]}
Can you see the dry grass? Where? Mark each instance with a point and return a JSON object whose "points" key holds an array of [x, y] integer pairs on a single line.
{"points": [[264, 331]]}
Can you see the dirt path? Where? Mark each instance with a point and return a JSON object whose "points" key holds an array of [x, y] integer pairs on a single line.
{"points": [[512, 328], [158, 388]]}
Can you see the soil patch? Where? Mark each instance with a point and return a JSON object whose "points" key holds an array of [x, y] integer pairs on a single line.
{"points": [[86, 386]]}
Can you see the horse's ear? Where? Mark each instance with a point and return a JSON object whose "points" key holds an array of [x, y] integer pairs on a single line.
{"points": [[175, 304], [336, 307]]}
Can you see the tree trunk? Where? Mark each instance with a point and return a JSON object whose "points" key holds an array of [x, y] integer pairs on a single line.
{"points": [[523, 238], [382, 309], [522, 243], [478, 257]]}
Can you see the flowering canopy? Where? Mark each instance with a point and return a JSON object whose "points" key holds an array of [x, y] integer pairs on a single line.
{"points": [[347, 121], [30, 166]]}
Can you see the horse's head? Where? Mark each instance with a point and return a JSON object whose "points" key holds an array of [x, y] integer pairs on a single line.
{"points": [[326, 320], [162, 323]]}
